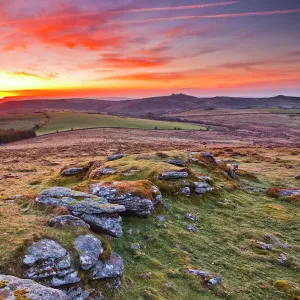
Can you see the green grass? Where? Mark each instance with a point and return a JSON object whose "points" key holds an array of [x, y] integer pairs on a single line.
{"points": [[224, 243], [63, 121]]}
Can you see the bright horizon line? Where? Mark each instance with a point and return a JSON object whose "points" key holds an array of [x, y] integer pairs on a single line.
{"points": [[110, 98]]}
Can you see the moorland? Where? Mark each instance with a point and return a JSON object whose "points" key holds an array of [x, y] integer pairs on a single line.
{"points": [[241, 231]]}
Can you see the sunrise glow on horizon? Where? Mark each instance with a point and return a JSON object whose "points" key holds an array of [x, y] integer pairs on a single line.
{"points": [[63, 48]]}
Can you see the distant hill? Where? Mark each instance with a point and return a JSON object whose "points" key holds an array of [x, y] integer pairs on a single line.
{"points": [[155, 105]]}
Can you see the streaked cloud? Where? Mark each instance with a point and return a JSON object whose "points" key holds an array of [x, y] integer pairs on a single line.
{"points": [[182, 7], [219, 16], [122, 62], [153, 76], [121, 11], [34, 75]]}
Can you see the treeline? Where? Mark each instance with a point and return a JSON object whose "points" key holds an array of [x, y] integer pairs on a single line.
{"points": [[11, 135]]}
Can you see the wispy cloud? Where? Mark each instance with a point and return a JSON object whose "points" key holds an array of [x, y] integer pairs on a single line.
{"points": [[149, 76], [34, 75], [122, 11], [219, 16], [182, 7], [120, 62]]}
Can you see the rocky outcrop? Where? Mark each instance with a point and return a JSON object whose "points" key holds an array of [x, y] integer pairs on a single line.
{"points": [[49, 261], [113, 267], [90, 249], [115, 157], [173, 175], [138, 197], [101, 215], [66, 221], [110, 224], [15, 288]]}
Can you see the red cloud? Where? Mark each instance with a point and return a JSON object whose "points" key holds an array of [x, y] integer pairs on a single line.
{"points": [[120, 62], [163, 76]]}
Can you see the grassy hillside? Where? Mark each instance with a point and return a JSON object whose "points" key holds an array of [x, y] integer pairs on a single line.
{"points": [[62, 121], [230, 222]]}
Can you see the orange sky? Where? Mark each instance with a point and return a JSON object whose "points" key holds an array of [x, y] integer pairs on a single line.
{"points": [[136, 49]]}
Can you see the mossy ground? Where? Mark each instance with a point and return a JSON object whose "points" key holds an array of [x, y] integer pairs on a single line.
{"points": [[224, 244]]}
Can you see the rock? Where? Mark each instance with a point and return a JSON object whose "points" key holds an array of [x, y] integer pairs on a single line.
{"points": [[193, 160], [115, 285], [186, 191], [49, 261], [274, 240], [176, 162], [263, 245], [190, 227], [161, 219], [135, 246], [297, 177], [288, 192], [191, 217], [173, 175], [233, 169], [105, 171], [209, 278], [90, 249], [76, 293], [110, 224], [204, 178], [67, 220], [114, 267], [16, 288], [202, 187], [115, 157], [97, 212], [282, 258], [214, 281], [138, 197], [73, 171], [207, 155], [200, 273]]}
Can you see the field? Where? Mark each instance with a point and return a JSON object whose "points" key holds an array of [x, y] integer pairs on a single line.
{"points": [[248, 124], [62, 121], [225, 241], [21, 121]]}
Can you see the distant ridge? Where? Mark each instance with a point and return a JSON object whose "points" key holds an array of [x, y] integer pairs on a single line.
{"points": [[153, 106]]}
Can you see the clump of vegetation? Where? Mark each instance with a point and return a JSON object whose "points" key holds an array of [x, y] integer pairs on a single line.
{"points": [[12, 135], [289, 288]]}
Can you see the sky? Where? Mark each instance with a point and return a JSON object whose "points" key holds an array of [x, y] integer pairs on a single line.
{"points": [[139, 48]]}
